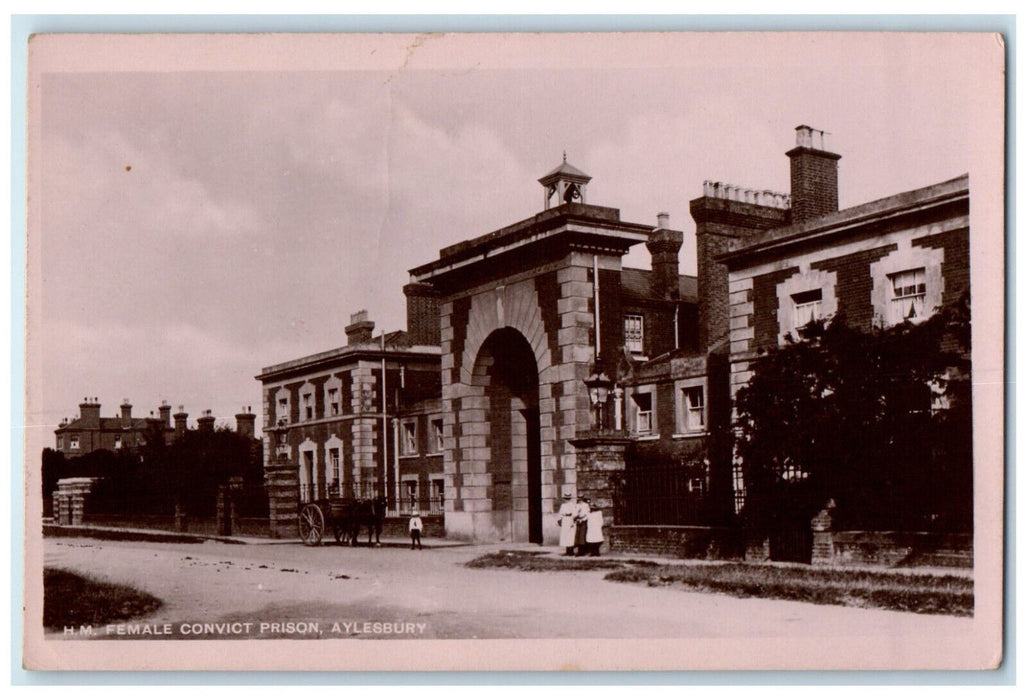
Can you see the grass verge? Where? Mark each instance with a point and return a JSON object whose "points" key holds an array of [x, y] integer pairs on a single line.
{"points": [[71, 600], [888, 590]]}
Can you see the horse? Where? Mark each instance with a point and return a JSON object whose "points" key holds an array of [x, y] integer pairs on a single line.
{"points": [[369, 513]]}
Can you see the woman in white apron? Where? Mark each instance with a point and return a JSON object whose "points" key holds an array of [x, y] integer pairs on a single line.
{"points": [[567, 525]]}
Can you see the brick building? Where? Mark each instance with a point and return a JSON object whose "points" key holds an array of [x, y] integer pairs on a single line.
{"points": [[487, 404], [354, 432], [896, 259]]}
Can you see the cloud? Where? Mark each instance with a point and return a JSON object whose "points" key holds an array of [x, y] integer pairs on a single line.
{"points": [[262, 208], [107, 186]]}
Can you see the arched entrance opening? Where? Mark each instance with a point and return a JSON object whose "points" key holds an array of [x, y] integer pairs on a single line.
{"points": [[507, 369]]}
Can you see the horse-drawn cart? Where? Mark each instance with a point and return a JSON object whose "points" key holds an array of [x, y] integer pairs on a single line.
{"points": [[343, 517]]}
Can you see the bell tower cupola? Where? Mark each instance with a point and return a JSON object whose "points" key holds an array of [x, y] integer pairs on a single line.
{"points": [[564, 185]]}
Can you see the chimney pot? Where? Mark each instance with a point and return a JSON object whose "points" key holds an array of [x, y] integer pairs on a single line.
{"points": [[359, 329]]}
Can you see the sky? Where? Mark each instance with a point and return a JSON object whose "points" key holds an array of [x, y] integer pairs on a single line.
{"points": [[205, 207]]}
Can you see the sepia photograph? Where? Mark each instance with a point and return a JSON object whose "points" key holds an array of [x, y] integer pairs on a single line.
{"points": [[515, 351]]}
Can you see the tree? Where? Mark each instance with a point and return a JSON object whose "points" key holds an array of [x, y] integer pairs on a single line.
{"points": [[858, 418], [191, 468]]}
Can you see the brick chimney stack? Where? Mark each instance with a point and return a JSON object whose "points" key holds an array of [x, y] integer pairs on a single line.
{"points": [[664, 245], [245, 422], [422, 313], [814, 176], [126, 412], [727, 215], [89, 409], [181, 422], [206, 421], [359, 329], [165, 414]]}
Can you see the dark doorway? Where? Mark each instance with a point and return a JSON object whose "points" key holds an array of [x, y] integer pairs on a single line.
{"points": [[506, 363]]}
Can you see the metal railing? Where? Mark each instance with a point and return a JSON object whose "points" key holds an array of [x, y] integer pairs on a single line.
{"points": [[661, 496], [425, 505]]}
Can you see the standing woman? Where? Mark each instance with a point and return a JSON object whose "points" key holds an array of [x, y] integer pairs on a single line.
{"points": [[567, 524], [581, 521], [594, 538]]}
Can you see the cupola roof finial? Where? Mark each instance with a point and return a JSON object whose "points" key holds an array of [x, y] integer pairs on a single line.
{"points": [[564, 184]]}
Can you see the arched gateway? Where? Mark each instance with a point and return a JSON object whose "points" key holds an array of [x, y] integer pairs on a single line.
{"points": [[519, 310], [507, 371]]}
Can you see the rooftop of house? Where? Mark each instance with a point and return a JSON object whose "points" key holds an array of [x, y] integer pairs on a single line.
{"points": [[397, 344], [851, 220], [637, 284], [115, 424]]}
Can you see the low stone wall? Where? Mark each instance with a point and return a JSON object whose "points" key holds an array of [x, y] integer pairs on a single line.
{"points": [[891, 549], [681, 541], [168, 523]]}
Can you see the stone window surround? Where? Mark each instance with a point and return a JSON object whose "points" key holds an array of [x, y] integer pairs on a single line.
{"points": [[433, 448], [437, 488], [336, 384], [907, 257], [681, 409], [805, 280], [436, 477], [310, 446], [653, 433], [307, 390], [405, 481], [333, 443], [407, 430], [280, 394]]}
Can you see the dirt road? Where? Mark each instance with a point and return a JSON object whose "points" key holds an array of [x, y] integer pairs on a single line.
{"points": [[333, 591]]}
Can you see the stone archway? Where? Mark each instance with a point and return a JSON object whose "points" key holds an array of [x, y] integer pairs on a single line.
{"points": [[506, 369]]}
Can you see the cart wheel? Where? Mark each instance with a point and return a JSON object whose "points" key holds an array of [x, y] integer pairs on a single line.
{"points": [[312, 524]]}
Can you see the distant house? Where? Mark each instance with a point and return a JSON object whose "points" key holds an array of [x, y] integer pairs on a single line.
{"points": [[90, 431]]}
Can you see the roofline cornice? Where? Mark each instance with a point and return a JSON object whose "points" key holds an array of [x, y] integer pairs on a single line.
{"points": [[850, 221]]}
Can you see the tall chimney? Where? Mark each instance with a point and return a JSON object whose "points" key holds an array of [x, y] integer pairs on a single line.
{"points": [[814, 176], [89, 409], [724, 216], [245, 422], [165, 414], [359, 329], [181, 422], [126, 412], [206, 421], [422, 313], [663, 245]]}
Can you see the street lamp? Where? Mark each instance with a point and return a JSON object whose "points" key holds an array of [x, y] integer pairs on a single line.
{"points": [[599, 386], [280, 431]]}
